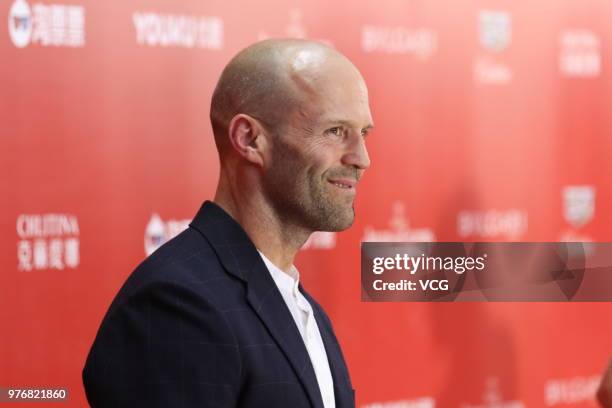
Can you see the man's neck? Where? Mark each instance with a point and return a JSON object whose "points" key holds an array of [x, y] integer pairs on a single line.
{"points": [[277, 240]]}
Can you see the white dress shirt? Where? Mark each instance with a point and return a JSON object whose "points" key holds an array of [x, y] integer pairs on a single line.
{"points": [[302, 313]]}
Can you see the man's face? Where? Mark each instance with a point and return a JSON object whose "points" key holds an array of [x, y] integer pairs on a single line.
{"points": [[319, 155]]}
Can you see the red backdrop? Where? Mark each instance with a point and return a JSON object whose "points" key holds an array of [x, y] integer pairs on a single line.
{"points": [[492, 123]]}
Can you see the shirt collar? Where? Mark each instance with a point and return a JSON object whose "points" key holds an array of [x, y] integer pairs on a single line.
{"points": [[286, 281]]}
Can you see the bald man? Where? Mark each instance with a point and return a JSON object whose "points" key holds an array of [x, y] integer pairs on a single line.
{"points": [[217, 316]]}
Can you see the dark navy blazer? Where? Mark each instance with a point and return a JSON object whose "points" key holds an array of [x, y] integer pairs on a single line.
{"points": [[201, 323]]}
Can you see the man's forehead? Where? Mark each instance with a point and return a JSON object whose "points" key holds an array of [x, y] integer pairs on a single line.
{"points": [[329, 86], [340, 103], [315, 116]]}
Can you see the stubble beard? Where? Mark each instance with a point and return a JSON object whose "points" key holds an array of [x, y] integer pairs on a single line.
{"points": [[330, 213], [308, 203], [306, 199]]}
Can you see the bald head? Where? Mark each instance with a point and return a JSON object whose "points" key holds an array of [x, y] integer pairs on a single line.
{"points": [[290, 119], [268, 79]]}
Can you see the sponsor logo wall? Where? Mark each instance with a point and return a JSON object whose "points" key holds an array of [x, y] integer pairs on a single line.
{"points": [[491, 125]]}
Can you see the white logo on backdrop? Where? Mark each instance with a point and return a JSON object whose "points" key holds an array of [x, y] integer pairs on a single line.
{"points": [[295, 29], [55, 25], [578, 211], [169, 30], [571, 390], [495, 36], [159, 232], [422, 43], [492, 397], [20, 23], [510, 224], [399, 230], [578, 205], [579, 53], [495, 29], [47, 241]]}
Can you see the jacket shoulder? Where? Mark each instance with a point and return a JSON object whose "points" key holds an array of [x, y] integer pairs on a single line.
{"points": [[188, 261]]}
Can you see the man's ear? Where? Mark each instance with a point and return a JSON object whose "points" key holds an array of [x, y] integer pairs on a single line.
{"points": [[247, 138]]}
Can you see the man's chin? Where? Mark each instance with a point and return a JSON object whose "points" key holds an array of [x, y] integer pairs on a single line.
{"points": [[339, 222], [342, 227]]}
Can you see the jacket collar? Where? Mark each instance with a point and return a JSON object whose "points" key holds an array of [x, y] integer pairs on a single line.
{"points": [[230, 242], [240, 258]]}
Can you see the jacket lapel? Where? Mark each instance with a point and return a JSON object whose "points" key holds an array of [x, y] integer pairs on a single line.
{"points": [[239, 257]]}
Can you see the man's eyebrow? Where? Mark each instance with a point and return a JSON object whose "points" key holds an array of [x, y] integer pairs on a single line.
{"points": [[347, 123]]}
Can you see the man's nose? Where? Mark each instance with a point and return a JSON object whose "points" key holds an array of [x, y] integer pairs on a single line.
{"points": [[356, 154]]}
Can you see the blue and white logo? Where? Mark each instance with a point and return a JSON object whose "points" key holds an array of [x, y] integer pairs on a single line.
{"points": [[20, 23]]}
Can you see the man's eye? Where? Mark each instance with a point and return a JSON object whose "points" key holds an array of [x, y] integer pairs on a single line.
{"points": [[337, 131]]}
